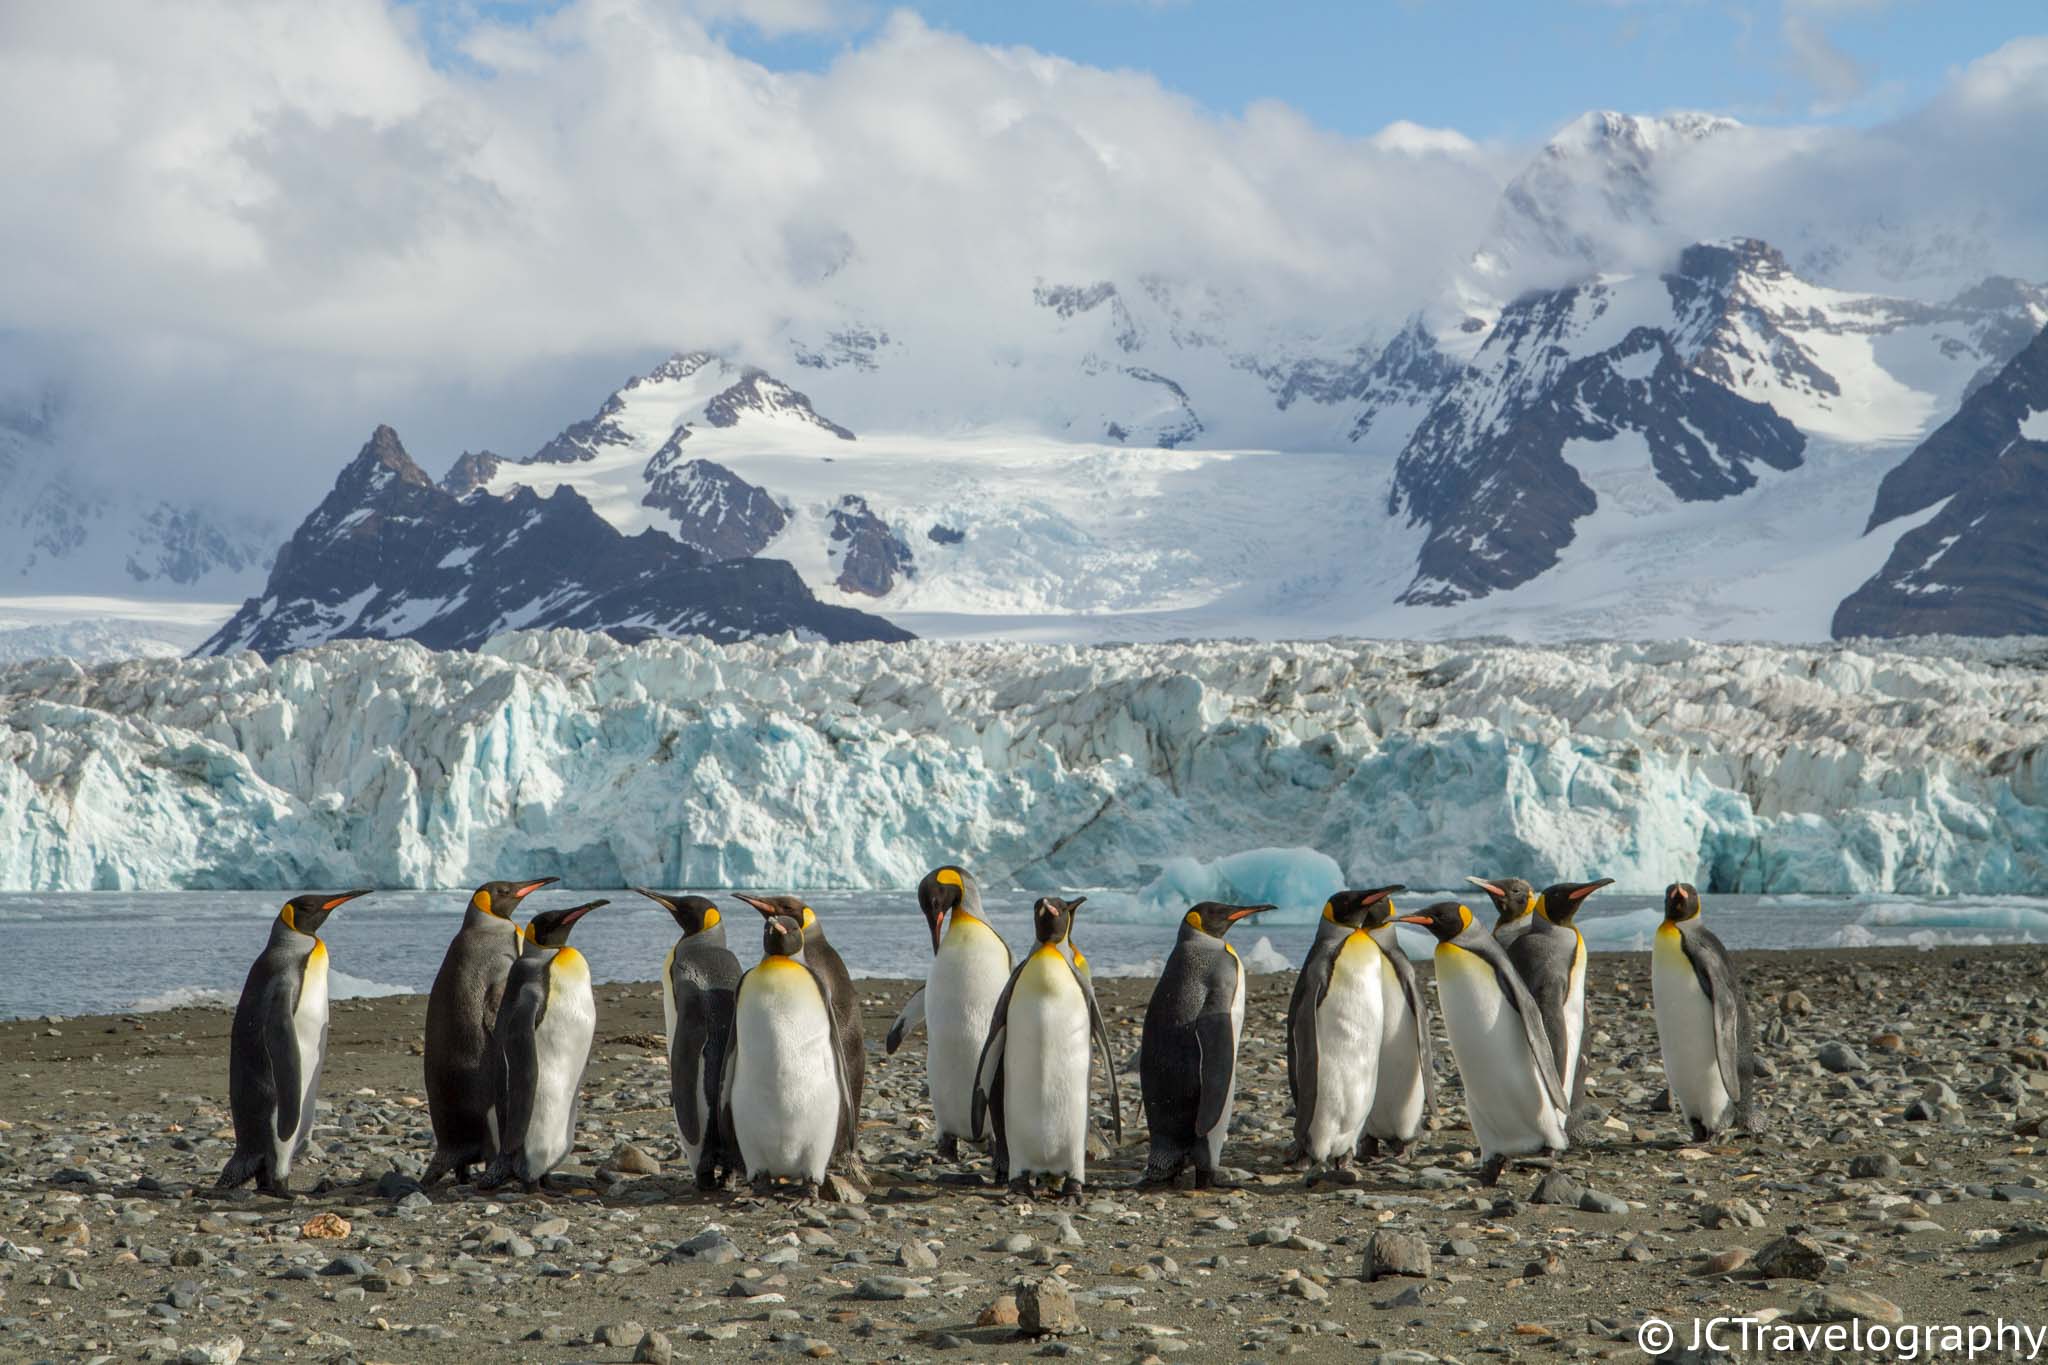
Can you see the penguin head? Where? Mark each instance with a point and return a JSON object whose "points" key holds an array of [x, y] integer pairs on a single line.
{"points": [[1215, 918], [1445, 919], [307, 913], [502, 898], [1681, 902], [782, 936], [550, 928], [1560, 902], [792, 906], [1511, 896], [1052, 919], [944, 890], [1362, 909], [692, 914]]}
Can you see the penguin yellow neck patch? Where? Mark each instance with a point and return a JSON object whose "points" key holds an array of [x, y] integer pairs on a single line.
{"points": [[290, 917], [482, 901], [948, 877], [711, 920]]}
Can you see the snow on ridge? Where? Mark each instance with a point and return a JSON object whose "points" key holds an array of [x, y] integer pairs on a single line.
{"points": [[1916, 768]]}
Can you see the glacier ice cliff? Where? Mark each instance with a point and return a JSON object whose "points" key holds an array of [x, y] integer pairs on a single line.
{"points": [[1910, 767]]}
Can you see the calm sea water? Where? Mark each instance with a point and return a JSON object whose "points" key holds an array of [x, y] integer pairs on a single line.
{"points": [[104, 952]]}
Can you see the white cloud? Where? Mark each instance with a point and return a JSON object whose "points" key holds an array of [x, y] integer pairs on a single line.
{"points": [[253, 230]]}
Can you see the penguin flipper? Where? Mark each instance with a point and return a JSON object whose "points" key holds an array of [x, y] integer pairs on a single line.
{"points": [[689, 1078], [1101, 1033], [909, 1019], [281, 1047], [728, 1068], [1534, 1031], [1716, 975], [1418, 1008], [1216, 1064], [1304, 1052], [517, 1068]]}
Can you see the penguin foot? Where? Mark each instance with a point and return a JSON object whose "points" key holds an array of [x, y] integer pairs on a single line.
{"points": [[1071, 1191], [1700, 1132], [1397, 1149], [1204, 1179], [1021, 1187], [1155, 1176], [812, 1191], [1368, 1148], [762, 1185], [949, 1147], [1490, 1172]]}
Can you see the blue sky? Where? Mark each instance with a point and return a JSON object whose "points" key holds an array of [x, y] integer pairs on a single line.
{"points": [[1490, 68]]}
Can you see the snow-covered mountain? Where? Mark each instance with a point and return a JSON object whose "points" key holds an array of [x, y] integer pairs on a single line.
{"points": [[390, 555], [1978, 565], [1918, 768], [66, 532]]}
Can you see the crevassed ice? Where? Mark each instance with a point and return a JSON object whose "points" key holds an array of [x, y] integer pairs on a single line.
{"points": [[1919, 768]]}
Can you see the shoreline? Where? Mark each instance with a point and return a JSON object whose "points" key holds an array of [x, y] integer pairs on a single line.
{"points": [[110, 1135]]}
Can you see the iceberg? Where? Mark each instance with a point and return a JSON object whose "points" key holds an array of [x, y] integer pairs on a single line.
{"points": [[1918, 768]]}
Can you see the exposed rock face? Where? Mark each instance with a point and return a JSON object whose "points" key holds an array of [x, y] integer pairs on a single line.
{"points": [[869, 554], [1502, 508], [757, 391], [585, 439], [715, 510], [389, 555], [1977, 567], [470, 472]]}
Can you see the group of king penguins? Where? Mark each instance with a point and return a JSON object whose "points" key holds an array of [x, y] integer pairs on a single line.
{"points": [[767, 1065]]}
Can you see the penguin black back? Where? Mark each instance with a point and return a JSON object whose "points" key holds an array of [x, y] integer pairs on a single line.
{"points": [[703, 975], [278, 1045], [1187, 1057]]}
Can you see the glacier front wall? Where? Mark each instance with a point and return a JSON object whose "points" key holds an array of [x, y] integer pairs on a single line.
{"points": [[1920, 768]]}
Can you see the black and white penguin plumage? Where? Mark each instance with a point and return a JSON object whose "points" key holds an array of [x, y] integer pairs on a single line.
{"points": [[278, 1045], [1512, 1089], [462, 1009], [1187, 1059], [784, 1099], [1336, 1026], [822, 958], [1703, 1022], [970, 967], [1551, 956], [1031, 1082], [698, 981], [1406, 1095], [1514, 900], [543, 1034]]}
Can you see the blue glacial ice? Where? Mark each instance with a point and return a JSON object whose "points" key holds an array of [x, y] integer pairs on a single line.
{"points": [[1903, 768]]}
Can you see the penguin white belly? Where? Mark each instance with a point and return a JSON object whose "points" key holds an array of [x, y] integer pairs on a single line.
{"points": [[1222, 1128], [1398, 1089], [561, 1049], [1349, 1024], [309, 1030], [1574, 1018], [1685, 1034], [1045, 1071], [1504, 1092], [960, 993], [785, 1091]]}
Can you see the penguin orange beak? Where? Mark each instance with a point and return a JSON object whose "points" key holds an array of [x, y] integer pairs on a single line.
{"points": [[769, 911], [1246, 911], [1488, 887], [575, 913], [525, 889], [344, 898], [1419, 921]]}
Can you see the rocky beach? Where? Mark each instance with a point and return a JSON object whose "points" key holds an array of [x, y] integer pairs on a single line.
{"points": [[1901, 1177]]}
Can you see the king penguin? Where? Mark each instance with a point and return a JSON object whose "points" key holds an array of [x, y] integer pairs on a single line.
{"points": [[1031, 1081], [462, 1095], [697, 985], [278, 1045], [543, 1033], [970, 966], [822, 958], [1336, 1025], [1187, 1056], [1703, 1023], [1551, 957], [784, 1099], [1512, 1088], [1513, 900]]}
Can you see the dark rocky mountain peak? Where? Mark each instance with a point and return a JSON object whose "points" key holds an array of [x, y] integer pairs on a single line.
{"points": [[471, 471], [870, 555]]}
